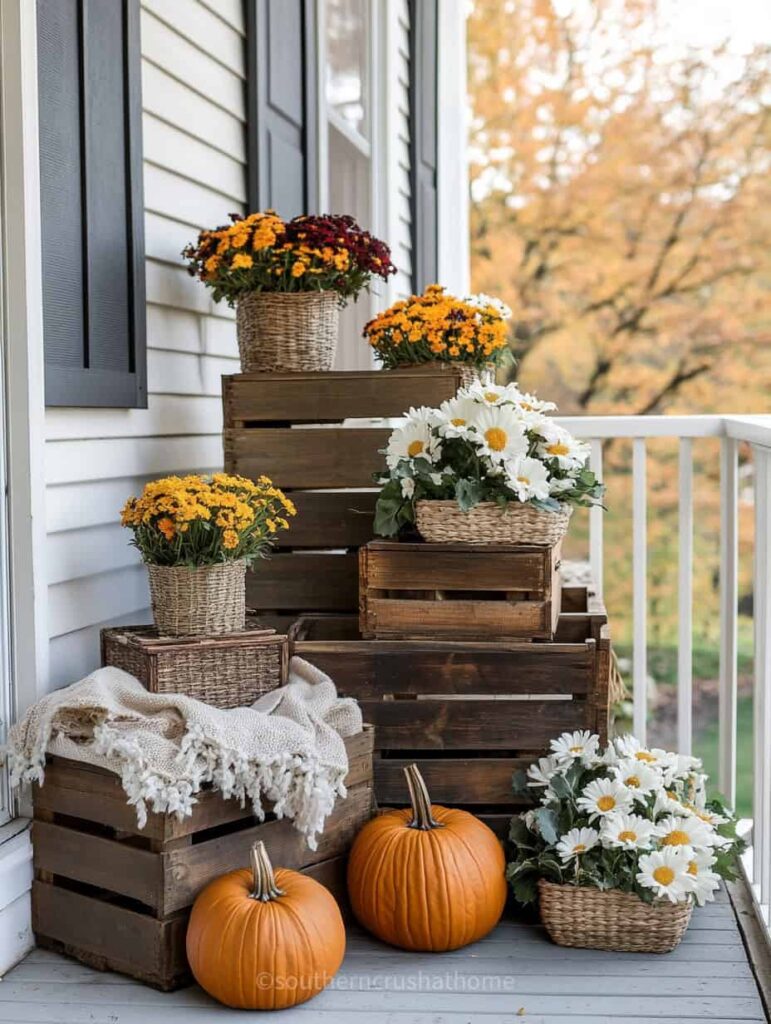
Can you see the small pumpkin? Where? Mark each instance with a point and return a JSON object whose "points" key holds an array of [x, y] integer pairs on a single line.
{"points": [[259, 940], [427, 878]]}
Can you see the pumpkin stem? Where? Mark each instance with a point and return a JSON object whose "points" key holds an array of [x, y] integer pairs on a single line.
{"points": [[420, 800], [264, 888]]}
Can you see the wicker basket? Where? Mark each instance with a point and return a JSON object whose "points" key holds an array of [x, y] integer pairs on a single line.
{"points": [[292, 332], [593, 919], [210, 599], [443, 522], [229, 671]]}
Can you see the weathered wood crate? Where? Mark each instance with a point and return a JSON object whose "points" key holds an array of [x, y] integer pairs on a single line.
{"points": [[291, 427], [228, 671], [119, 898], [435, 591], [469, 713]]}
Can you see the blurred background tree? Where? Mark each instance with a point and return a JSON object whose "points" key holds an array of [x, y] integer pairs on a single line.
{"points": [[620, 176]]}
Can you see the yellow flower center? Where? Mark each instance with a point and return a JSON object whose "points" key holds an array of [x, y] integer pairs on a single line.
{"points": [[526, 406], [664, 875], [526, 480], [558, 448], [458, 422], [496, 438], [633, 781], [693, 868], [578, 749], [606, 803], [490, 396], [579, 848], [415, 448], [627, 836], [677, 838], [644, 755]]}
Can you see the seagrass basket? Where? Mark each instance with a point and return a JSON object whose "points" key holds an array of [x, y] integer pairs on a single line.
{"points": [[443, 522], [228, 671], [209, 599], [611, 919], [290, 332]]}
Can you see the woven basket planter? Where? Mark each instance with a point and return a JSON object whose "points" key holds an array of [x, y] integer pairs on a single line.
{"points": [[210, 599], [593, 919], [443, 522], [468, 374], [289, 332]]}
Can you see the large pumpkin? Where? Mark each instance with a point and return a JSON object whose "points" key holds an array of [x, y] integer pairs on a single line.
{"points": [[264, 941], [427, 878]]}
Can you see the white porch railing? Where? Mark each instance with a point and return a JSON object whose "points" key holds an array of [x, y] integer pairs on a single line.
{"points": [[732, 430]]}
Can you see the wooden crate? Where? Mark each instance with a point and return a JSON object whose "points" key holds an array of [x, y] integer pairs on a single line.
{"points": [[447, 591], [227, 671], [119, 898], [291, 427], [469, 713]]}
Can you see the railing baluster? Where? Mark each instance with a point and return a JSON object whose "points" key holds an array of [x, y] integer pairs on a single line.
{"points": [[761, 853], [639, 585], [596, 521], [729, 594], [685, 600]]}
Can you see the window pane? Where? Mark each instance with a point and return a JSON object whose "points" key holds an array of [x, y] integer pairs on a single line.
{"points": [[346, 77]]}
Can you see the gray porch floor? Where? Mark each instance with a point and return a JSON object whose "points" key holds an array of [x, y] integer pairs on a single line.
{"points": [[514, 975]]}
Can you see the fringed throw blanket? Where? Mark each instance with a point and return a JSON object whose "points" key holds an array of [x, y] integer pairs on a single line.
{"points": [[287, 748]]}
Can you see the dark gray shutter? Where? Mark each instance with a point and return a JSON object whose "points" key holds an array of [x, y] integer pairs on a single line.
{"points": [[91, 202], [423, 116], [281, 93]]}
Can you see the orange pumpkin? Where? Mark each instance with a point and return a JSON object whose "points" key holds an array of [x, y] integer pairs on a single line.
{"points": [[264, 941], [427, 878]]}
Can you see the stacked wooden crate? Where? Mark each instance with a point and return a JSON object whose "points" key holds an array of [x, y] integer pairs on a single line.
{"points": [[118, 897], [291, 428]]}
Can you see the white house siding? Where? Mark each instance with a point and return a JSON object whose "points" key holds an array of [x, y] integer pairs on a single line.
{"points": [[194, 141], [193, 69]]}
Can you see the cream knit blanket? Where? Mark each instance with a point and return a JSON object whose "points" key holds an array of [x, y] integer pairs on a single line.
{"points": [[287, 748]]}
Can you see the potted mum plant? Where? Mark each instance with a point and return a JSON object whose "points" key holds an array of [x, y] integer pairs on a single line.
{"points": [[622, 845], [197, 535], [488, 466], [436, 327], [287, 280]]}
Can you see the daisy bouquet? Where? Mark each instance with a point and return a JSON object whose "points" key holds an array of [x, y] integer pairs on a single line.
{"points": [[437, 326], [626, 818], [489, 444]]}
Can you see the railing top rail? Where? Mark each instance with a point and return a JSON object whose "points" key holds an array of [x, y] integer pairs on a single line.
{"points": [[756, 429]]}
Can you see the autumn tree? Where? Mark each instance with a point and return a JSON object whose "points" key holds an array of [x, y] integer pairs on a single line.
{"points": [[621, 204]]}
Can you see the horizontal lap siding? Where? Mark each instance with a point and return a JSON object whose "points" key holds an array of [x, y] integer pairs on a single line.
{"points": [[193, 66]]}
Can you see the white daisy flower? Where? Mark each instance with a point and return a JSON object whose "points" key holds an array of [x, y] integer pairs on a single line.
{"points": [[708, 817], [571, 745], [490, 394], [604, 796], [637, 776], [629, 746], [413, 440], [482, 301], [540, 772], [531, 403], [626, 831], [686, 830], [499, 435], [666, 873], [575, 842], [703, 881], [456, 416], [528, 478], [666, 803], [558, 444]]}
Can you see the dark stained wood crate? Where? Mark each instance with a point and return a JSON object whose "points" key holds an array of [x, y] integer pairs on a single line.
{"points": [[435, 591], [118, 898], [291, 427], [469, 713]]}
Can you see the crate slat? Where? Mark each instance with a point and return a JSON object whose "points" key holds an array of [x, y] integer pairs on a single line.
{"points": [[414, 618], [300, 581], [456, 567], [481, 780], [331, 519], [308, 457], [320, 397]]}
